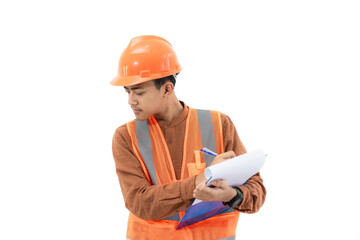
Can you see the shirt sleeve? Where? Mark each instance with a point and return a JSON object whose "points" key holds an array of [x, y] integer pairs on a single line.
{"points": [[149, 202], [254, 191]]}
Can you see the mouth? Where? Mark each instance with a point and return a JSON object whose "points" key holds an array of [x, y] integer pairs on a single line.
{"points": [[136, 110]]}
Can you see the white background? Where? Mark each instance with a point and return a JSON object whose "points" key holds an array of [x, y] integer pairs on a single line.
{"points": [[284, 71]]}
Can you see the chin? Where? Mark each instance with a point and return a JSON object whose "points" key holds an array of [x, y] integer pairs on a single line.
{"points": [[140, 118]]}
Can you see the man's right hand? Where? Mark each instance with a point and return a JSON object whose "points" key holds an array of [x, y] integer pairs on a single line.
{"points": [[223, 157], [218, 159]]}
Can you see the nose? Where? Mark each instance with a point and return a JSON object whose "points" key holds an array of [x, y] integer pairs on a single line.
{"points": [[132, 99]]}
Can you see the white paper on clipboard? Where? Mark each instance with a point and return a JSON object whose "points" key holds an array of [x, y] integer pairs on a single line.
{"points": [[238, 170]]}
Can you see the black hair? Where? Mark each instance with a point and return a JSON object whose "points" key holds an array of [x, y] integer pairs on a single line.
{"points": [[161, 81]]}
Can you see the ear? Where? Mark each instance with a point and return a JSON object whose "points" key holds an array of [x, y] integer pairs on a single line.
{"points": [[168, 89]]}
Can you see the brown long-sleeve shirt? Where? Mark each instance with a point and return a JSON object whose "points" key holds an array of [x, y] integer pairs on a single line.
{"points": [[152, 202]]}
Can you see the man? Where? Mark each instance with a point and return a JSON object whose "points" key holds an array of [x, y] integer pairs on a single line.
{"points": [[157, 157]]}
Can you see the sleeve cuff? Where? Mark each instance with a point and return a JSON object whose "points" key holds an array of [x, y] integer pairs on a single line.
{"points": [[244, 206], [187, 187]]}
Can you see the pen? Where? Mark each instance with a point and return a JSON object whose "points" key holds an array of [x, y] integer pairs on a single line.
{"points": [[208, 151], [208, 181]]}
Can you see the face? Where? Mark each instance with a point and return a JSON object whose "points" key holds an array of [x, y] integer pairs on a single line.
{"points": [[145, 99]]}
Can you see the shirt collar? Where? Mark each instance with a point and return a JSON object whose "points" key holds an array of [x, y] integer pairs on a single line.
{"points": [[176, 120]]}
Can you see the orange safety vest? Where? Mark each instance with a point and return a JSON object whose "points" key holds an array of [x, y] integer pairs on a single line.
{"points": [[203, 129]]}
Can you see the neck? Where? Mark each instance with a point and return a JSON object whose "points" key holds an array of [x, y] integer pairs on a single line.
{"points": [[171, 111]]}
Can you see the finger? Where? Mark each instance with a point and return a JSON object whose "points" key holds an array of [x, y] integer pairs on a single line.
{"points": [[226, 155], [220, 183], [201, 186], [215, 183], [196, 193], [200, 194], [229, 154]]}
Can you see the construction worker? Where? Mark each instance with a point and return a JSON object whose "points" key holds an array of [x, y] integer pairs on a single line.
{"points": [[157, 156]]}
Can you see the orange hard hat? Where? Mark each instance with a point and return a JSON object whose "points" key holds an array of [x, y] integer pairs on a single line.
{"points": [[146, 58]]}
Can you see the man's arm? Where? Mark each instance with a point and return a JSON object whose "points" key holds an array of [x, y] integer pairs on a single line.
{"points": [[147, 201], [254, 194], [253, 191]]}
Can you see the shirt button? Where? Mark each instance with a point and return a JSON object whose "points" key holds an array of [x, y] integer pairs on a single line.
{"points": [[169, 141]]}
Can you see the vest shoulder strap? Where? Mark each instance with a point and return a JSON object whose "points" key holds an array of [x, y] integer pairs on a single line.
{"points": [[145, 147], [207, 133]]}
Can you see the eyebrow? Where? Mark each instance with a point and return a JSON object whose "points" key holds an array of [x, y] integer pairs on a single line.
{"points": [[133, 88]]}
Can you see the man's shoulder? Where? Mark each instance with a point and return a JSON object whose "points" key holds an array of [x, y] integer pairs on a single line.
{"points": [[123, 127], [222, 115], [121, 130]]}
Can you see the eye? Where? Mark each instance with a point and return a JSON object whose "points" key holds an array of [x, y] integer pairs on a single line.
{"points": [[139, 93]]}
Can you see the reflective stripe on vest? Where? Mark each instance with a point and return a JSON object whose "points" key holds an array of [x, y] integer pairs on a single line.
{"points": [[207, 133], [175, 217], [145, 147]]}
